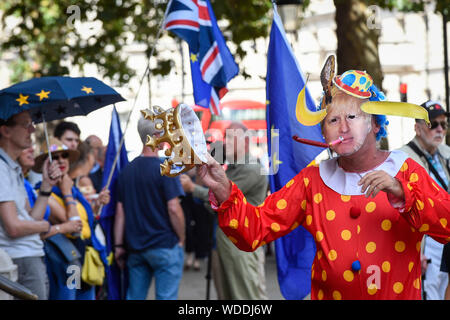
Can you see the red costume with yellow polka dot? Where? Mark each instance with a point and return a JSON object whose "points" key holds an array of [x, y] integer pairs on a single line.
{"points": [[367, 247]]}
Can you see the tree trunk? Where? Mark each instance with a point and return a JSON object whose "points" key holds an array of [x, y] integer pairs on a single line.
{"points": [[357, 41], [357, 38]]}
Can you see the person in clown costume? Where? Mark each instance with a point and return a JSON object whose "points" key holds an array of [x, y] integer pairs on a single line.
{"points": [[368, 209]]}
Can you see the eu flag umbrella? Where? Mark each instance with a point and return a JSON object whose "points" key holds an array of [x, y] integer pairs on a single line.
{"points": [[54, 98]]}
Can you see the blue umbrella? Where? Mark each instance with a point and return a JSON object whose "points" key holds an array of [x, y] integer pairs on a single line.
{"points": [[54, 98]]}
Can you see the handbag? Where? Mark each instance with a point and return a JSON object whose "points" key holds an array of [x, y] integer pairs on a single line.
{"points": [[93, 271], [65, 248]]}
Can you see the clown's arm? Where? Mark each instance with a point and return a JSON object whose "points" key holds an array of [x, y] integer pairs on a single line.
{"points": [[426, 205], [250, 227]]}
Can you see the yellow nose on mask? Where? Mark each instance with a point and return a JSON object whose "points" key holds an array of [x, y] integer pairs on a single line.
{"points": [[305, 116]]}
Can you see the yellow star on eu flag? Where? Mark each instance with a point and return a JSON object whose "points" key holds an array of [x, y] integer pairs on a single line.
{"points": [[193, 57], [43, 94], [22, 99], [87, 90]]}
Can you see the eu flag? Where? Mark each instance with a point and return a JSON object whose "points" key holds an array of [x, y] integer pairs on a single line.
{"points": [[116, 287], [295, 251], [212, 64]]}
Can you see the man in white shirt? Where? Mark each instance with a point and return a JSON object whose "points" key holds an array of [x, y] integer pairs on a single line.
{"points": [[21, 226]]}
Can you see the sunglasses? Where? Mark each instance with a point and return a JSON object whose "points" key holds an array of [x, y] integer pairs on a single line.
{"points": [[435, 124], [64, 155]]}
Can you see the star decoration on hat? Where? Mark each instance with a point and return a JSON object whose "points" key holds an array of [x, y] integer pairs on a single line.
{"points": [[22, 99], [87, 90], [43, 94]]}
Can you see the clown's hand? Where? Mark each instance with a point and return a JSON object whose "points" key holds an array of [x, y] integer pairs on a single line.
{"points": [[376, 181], [213, 176]]}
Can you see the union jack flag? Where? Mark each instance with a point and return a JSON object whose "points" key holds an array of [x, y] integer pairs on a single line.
{"points": [[212, 64]]}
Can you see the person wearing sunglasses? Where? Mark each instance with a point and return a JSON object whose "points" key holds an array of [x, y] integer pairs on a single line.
{"points": [[68, 203], [429, 150]]}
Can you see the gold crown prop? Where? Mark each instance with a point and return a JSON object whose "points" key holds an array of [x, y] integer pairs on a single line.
{"points": [[182, 130]]}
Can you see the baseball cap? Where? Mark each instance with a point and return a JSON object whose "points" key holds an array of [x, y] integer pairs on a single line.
{"points": [[434, 109]]}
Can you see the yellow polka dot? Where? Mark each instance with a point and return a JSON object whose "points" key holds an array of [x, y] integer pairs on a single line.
{"points": [[318, 198], [386, 266], [443, 222], [308, 220], [400, 246], [370, 207], [404, 167], [431, 202], [257, 212], [386, 225], [319, 235], [246, 222], [235, 200], [345, 198], [332, 255], [409, 187], [320, 294], [255, 243], [412, 229], [398, 287], [348, 275], [371, 247], [294, 226], [416, 283], [303, 205], [358, 229], [413, 177], [281, 204], [330, 215], [290, 183], [234, 224], [319, 254], [232, 239], [263, 243], [306, 181], [418, 246], [275, 227], [324, 275], [372, 289], [424, 228], [410, 266], [312, 274], [337, 295], [420, 205], [244, 200], [346, 234]]}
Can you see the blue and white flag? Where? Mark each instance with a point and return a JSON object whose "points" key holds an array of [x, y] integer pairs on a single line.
{"points": [[113, 276], [295, 252], [212, 64]]}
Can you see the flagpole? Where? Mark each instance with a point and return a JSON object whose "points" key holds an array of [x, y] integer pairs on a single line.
{"points": [[122, 140]]}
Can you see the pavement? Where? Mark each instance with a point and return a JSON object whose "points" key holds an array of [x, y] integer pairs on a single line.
{"points": [[193, 284]]}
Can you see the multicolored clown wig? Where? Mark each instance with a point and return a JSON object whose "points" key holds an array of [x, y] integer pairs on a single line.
{"points": [[358, 84]]}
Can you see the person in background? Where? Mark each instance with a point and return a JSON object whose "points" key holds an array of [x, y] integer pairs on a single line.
{"points": [[68, 203], [96, 173], [149, 224], [68, 133], [21, 226], [428, 150]]}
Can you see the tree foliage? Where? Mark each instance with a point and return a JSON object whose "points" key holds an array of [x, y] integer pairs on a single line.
{"points": [[47, 37]]}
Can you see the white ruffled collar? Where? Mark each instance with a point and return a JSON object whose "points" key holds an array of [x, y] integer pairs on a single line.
{"points": [[346, 183]]}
